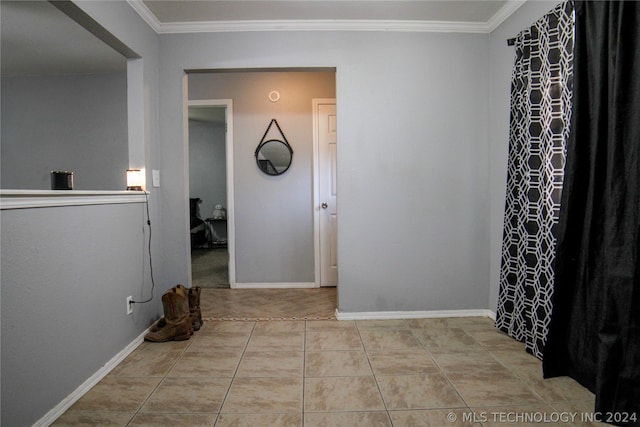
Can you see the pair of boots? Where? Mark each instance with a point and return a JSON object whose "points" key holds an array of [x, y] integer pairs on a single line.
{"points": [[181, 315]]}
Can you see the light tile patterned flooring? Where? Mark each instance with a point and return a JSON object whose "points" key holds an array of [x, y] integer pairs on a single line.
{"points": [[419, 372], [268, 304]]}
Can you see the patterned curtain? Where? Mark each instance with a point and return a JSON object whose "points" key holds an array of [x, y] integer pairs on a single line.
{"points": [[541, 92]]}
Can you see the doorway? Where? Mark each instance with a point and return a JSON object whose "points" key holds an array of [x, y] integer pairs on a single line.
{"points": [[325, 191], [210, 193], [274, 216]]}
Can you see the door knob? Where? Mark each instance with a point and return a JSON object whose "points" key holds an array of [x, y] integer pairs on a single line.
{"points": [[324, 206]]}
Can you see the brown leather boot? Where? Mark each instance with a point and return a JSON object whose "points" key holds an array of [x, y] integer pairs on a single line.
{"points": [[175, 304], [162, 322], [194, 308]]}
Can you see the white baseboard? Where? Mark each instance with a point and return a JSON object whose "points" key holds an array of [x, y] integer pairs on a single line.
{"points": [[290, 285], [386, 315], [68, 401]]}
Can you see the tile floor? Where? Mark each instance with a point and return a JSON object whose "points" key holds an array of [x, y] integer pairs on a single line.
{"points": [[421, 372], [268, 304]]}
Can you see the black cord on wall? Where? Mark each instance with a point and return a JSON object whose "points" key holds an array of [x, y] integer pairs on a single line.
{"points": [[153, 283]]}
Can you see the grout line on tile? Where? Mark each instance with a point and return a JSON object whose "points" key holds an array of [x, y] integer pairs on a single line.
{"points": [[235, 372], [444, 374], [304, 367], [375, 378], [505, 362], [515, 374], [164, 377]]}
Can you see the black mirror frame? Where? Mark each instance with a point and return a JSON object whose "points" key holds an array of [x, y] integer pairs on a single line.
{"points": [[267, 170], [263, 143]]}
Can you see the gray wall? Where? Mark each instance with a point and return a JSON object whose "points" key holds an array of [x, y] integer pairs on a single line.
{"points": [[207, 165], [74, 122], [67, 271], [423, 125], [413, 156], [273, 214], [502, 58]]}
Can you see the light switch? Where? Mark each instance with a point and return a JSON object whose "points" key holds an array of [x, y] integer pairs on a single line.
{"points": [[155, 176]]}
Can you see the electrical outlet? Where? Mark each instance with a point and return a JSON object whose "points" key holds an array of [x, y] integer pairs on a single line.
{"points": [[129, 305]]}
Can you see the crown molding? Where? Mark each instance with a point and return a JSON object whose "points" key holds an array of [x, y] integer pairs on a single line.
{"points": [[505, 12], [326, 25], [146, 14], [323, 25]]}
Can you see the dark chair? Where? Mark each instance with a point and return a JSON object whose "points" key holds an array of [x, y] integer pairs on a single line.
{"points": [[198, 226]]}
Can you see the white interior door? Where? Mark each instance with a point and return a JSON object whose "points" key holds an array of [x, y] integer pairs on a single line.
{"points": [[326, 191]]}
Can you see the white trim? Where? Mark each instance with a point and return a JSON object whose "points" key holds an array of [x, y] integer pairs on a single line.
{"points": [[385, 315], [323, 25], [492, 315], [146, 14], [186, 177], [326, 24], [276, 285], [72, 398], [316, 194], [231, 216], [26, 199], [231, 225], [505, 12]]}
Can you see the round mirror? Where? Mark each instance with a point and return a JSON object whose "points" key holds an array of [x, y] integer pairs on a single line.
{"points": [[274, 157]]}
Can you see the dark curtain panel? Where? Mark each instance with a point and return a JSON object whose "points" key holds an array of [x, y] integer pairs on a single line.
{"points": [[539, 128], [594, 334]]}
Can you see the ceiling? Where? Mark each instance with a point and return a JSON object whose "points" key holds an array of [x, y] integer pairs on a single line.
{"points": [[37, 38], [173, 16], [208, 114], [167, 11]]}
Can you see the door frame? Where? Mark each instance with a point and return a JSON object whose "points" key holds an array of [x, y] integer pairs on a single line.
{"points": [[316, 102], [228, 146]]}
